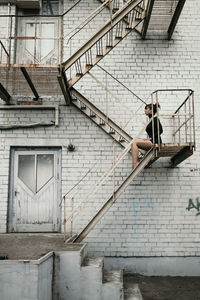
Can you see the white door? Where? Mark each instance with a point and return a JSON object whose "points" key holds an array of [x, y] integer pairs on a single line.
{"points": [[39, 41], [35, 191]]}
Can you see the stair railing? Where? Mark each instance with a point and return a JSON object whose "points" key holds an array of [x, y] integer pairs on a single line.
{"points": [[182, 119], [102, 179], [105, 39], [86, 21], [117, 99]]}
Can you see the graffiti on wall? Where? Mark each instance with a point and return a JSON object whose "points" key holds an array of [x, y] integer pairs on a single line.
{"points": [[194, 204]]}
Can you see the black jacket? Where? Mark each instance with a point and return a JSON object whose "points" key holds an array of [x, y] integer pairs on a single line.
{"points": [[155, 127]]}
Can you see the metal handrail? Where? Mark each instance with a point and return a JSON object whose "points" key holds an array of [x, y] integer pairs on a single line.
{"points": [[191, 92], [188, 115], [92, 15], [121, 84], [104, 176], [58, 17], [68, 10]]}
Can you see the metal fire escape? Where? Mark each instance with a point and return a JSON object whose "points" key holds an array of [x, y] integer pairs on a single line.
{"points": [[49, 73], [36, 76]]}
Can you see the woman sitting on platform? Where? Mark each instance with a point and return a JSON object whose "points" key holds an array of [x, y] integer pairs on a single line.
{"points": [[147, 144]]}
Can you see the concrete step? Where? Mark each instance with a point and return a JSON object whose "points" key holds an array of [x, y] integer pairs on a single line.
{"points": [[90, 261], [113, 285], [67, 273], [132, 292], [92, 278]]}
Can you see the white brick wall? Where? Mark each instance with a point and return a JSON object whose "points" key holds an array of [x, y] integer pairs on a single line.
{"points": [[150, 218]]}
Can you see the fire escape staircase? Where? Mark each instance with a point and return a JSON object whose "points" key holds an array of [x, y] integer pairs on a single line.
{"points": [[14, 78], [176, 152], [104, 40], [147, 160], [99, 118], [82, 61]]}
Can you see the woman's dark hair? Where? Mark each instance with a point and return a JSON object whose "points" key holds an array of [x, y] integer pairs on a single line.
{"points": [[154, 107]]}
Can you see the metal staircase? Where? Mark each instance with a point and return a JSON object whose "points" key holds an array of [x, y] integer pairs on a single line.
{"points": [[104, 40], [177, 151], [100, 119], [147, 160]]}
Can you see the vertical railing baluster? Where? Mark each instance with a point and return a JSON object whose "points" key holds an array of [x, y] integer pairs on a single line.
{"points": [[185, 111], [193, 121], [70, 53], [114, 172], [10, 39], [158, 127], [173, 133], [78, 67], [132, 18], [35, 41], [179, 130], [121, 28], [64, 221], [86, 57], [61, 40], [72, 217], [190, 121], [152, 120], [91, 56]]}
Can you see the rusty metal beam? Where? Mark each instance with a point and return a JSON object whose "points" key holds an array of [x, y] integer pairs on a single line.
{"points": [[4, 94], [175, 18], [182, 155], [64, 89], [148, 157], [147, 19], [30, 83]]}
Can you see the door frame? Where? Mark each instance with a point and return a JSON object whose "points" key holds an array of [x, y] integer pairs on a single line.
{"points": [[10, 207]]}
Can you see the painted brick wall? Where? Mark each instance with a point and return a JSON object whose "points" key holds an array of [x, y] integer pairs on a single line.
{"points": [[150, 218]]}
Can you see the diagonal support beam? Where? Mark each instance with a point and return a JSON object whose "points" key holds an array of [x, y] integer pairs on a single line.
{"points": [[30, 83], [175, 18], [4, 94], [64, 87], [146, 160], [147, 19]]}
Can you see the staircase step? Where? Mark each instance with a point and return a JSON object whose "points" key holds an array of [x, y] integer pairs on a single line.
{"points": [[115, 276], [96, 115], [90, 261], [99, 36], [113, 284], [92, 278], [132, 292]]}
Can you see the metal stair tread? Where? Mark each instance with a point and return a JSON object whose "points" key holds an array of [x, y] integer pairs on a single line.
{"points": [[92, 261], [112, 125], [113, 276]]}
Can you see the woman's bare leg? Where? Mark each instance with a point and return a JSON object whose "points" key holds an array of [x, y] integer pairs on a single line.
{"points": [[143, 144]]}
